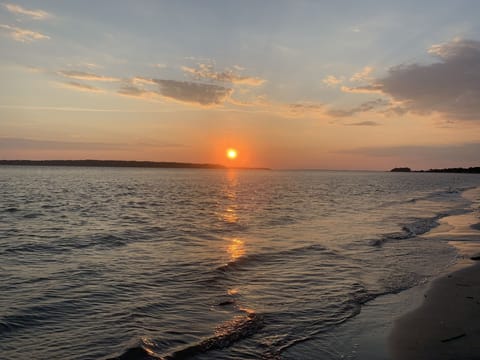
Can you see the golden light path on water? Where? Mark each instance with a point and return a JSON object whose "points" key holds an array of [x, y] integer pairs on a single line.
{"points": [[235, 247], [247, 320]]}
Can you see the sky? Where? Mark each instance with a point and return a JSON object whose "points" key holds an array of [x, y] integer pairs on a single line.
{"points": [[354, 85]]}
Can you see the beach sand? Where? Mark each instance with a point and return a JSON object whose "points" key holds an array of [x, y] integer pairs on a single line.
{"points": [[446, 325]]}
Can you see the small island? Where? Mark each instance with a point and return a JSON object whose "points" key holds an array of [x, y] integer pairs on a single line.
{"points": [[401, 169]]}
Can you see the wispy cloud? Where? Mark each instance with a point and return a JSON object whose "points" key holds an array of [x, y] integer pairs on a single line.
{"points": [[365, 89], [366, 106], [22, 35], [363, 75], [34, 14], [139, 80], [80, 87], [133, 91], [302, 109], [81, 75], [207, 72], [332, 80], [364, 123]]}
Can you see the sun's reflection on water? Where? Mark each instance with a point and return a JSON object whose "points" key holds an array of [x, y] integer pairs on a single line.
{"points": [[236, 249], [230, 216]]}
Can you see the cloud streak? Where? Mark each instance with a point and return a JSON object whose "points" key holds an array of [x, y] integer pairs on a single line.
{"points": [[34, 14], [365, 107], [81, 87], [23, 35], [364, 123], [81, 75]]}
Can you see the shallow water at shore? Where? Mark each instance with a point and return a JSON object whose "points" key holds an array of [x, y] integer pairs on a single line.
{"points": [[208, 263]]}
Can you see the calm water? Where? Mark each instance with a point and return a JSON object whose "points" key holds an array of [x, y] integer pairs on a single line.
{"points": [[179, 264]]}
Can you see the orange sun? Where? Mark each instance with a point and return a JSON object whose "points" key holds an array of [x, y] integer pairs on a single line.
{"points": [[232, 153]]}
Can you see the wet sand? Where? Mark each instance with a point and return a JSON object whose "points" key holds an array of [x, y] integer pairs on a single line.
{"points": [[446, 325]]}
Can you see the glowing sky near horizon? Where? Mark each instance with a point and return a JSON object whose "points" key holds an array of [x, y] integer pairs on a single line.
{"points": [[289, 84]]}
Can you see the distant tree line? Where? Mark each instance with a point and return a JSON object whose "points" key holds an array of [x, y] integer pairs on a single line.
{"points": [[110, 163], [115, 163]]}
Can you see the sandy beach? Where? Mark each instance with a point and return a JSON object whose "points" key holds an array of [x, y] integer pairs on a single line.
{"points": [[446, 325]]}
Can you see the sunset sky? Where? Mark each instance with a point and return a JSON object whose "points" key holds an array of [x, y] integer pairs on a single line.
{"points": [[289, 84]]}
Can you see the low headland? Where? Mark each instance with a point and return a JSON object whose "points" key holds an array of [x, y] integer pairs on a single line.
{"points": [[121, 163]]}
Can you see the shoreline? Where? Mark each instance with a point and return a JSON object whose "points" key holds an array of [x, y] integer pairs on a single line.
{"points": [[368, 335], [446, 324]]}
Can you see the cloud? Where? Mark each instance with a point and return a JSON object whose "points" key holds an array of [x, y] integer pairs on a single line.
{"points": [[366, 106], [331, 80], [193, 93], [362, 75], [23, 35], [450, 86], [133, 91], [142, 81], [206, 72], [80, 87], [257, 101], [302, 109], [366, 89], [80, 75], [364, 123], [34, 14]]}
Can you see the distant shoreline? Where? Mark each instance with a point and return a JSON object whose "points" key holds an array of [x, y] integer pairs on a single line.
{"points": [[470, 170], [121, 163]]}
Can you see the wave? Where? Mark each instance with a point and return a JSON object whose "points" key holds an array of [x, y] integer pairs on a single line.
{"points": [[144, 350], [451, 193], [62, 245], [226, 334], [418, 226], [347, 308], [275, 256]]}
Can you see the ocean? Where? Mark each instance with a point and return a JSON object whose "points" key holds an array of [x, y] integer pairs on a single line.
{"points": [[105, 263]]}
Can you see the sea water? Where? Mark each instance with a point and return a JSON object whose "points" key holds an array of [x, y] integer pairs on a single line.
{"points": [[100, 263]]}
